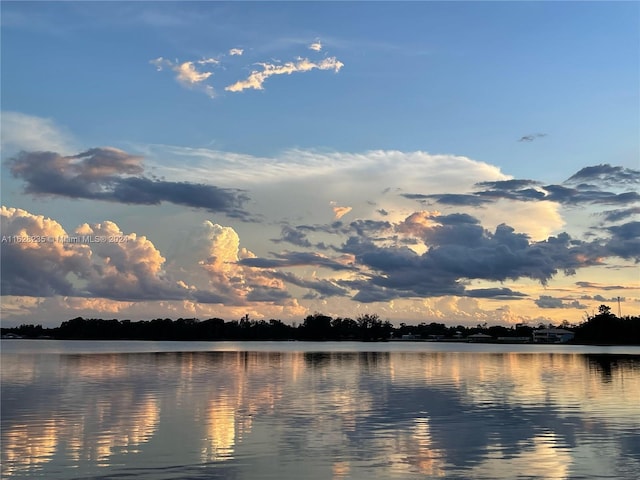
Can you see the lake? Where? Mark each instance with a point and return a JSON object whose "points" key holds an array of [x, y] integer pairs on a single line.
{"points": [[318, 410]]}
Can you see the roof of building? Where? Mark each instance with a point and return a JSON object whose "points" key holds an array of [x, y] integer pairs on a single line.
{"points": [[559, 331]]}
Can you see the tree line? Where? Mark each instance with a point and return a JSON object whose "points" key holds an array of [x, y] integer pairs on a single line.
{"points": [[601, 328]]}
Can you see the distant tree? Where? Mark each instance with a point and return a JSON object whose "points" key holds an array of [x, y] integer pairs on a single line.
{"points": [[317, 327], [607, 328], [604, 311], [371, 327]]}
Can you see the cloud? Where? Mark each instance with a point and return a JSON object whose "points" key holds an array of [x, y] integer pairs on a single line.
{"points": [[316, 46], [504, 293], [573, 192], [625, 241], [599, 286], [379, 187], [606, 174], [531, 137], [98, 260], [324, 288], [210, 258], [296, 259], [208, 61], [585, 194], [27, 132], [41, 264], [341, 211], [293, 236], [546, 301], [257, 78], [187, 74], [127, 267], [454, 199], [600, 298], [620, 214], [110, 174], [458, 248], [236, 52]]}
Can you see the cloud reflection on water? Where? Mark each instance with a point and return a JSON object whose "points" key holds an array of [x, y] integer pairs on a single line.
{"points": [[340, 415]]}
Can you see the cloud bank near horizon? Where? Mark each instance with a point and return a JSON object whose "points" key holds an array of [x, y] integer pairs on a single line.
{"points": [[348, 227]]}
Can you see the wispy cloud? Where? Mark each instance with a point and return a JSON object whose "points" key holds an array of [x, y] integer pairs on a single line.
{"points": [[191, 74], [531, 137], [316, 46], [187, 73], [257, 78], [27, 132]]}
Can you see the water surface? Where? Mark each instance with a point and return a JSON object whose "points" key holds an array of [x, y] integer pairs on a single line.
{"points": [[291, 410]]}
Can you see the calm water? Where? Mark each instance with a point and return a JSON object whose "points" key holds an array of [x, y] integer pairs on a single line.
{"points": [[292, 410]]}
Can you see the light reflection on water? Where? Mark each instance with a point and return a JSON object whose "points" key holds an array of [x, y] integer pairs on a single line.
{"points": [[315, 415]]}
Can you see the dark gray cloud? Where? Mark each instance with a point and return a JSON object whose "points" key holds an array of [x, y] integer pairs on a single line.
{"points": [[591, 185], [510, 185], [261, 293], [599, 286], [202, 296], [470, 200], [606, 174], [600, 298], [112, 175], [293, 236], [32, 273], [524, 195], [324, 288], [461, 249], [504, 293], [588, 194], [531, 137], [620, 214], [363, 227], [295, 259], [546, 301], [625, 241]]}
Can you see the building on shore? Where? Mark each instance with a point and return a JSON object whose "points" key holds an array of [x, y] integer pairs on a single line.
{"points": [[552, 335], [479, 338]]}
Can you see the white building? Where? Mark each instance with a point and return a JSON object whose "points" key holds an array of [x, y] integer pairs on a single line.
{"points": [[552, 335]]}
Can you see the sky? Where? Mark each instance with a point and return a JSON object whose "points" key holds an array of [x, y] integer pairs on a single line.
{"points": [[451, 162]]}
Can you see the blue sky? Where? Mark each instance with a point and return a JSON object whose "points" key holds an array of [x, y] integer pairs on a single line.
{"points": [[303, 152]]}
